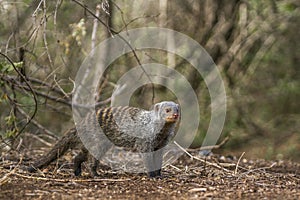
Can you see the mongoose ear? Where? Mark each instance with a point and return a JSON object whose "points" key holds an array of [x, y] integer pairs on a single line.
{"points": [[157, 110], [157, 107]]}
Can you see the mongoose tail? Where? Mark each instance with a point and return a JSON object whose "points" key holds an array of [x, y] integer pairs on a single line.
{"points": [[68, 141]]}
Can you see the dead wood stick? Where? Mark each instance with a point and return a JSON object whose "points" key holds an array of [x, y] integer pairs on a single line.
{"points": [[201, 160], [210, 147]]}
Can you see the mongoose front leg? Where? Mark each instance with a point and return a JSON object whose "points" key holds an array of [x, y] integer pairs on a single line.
{"points": [[153, 162]]}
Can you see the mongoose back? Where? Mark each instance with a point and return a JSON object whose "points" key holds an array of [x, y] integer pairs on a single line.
{"points": [[134, 128]]}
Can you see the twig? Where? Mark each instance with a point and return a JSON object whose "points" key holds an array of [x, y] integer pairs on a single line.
{"points": [[45, 35], [237, 164], [57, 5], [185, 151], [58, 99], [95, 27], [19, 145], [126, 24], [261, 168], [254, 170], [4, 179], [37, 8], [7, 43], [174, 167], [73, 82], [60, 88], [210, 147], [40, 139], [71, 180], [94, 15], [201, 160], [44, 83]]}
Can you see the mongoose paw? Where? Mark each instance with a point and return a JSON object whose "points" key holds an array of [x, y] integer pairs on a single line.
{"points": [[155, 174], [31, 169], [77, 171], [95, 174]]}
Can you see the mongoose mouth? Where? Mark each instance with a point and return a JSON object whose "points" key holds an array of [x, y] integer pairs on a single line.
{"points": [[172, 118]]}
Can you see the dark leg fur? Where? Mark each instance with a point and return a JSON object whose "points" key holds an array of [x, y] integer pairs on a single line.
{"points": [[94, 167], [82, 157], [154, 174], [153, 162], [79, 159]]}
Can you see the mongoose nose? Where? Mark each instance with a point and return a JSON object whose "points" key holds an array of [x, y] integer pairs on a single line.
{"points": [[175, 115]]}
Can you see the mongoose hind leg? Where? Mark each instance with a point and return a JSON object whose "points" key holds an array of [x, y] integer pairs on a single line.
{"points": [[94, 166], [79, 159], [83, 156], [98, 151]]}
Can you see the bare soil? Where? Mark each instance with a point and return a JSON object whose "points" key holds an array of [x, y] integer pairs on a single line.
{"points": [[221, 177]]}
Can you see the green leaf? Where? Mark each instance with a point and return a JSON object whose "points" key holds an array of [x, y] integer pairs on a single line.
{"points": [[9, 120], [8, 67], [11, 133]]}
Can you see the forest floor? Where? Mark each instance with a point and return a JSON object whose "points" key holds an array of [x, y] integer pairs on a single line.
{"points": [[190, 177]]}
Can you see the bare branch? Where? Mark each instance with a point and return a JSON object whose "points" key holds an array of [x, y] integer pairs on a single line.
{"points": [[29, 88], [45, 35], [95, 27], [210, 147]]}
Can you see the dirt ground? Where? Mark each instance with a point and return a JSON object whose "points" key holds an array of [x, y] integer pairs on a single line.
{"points": [[221, 177]]}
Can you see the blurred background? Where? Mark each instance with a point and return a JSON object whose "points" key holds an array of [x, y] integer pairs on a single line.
{"points": [[254, 43]]}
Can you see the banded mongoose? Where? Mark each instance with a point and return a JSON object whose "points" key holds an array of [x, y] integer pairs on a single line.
{"points": [[134, 128]]}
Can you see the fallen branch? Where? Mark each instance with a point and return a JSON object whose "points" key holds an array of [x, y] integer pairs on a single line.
{"points": [[69, 180], [210, 147], [201, 160]]}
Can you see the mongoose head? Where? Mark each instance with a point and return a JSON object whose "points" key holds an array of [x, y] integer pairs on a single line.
{"points": [[168, 111]]}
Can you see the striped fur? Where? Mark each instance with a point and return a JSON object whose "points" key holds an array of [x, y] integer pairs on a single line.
{"points": [[134, 128]]}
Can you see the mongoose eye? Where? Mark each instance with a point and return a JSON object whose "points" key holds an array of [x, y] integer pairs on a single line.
{"points": [[168, 110]]}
